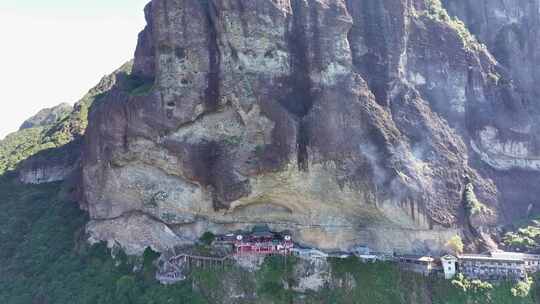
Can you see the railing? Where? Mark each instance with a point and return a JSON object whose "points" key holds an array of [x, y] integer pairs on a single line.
{"points": [[180, 262]]}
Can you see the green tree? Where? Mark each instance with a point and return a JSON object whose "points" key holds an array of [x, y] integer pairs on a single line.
{"points": [[207, 238], [522, 288], [455, 244], [126, 290]]}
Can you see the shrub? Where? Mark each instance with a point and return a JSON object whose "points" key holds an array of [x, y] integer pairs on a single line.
{"points": [[455, 244], [233, 140], [522, 288], [436, 11], [143, 89], [126, 290], [207, 238], [276, 273], [525, 238], [472, 204], [475, 288], [137, 86]]}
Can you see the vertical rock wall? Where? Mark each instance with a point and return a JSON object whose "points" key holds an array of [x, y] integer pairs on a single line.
{"points": [[345, 122]]}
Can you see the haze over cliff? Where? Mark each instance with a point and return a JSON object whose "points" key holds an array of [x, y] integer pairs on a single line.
{"points": [[392, 123]]}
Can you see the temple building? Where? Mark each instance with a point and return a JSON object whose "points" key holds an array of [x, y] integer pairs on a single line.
{"points": [[259, 241]]}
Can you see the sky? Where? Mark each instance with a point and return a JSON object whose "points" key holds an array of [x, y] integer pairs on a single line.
{"points": [[54, 51]]}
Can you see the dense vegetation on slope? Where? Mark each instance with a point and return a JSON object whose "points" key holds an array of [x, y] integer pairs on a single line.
{"points": [[43, 258], [18, 146]]}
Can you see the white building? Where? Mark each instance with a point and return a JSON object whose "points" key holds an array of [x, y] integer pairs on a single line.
{"points": [[449, 266], [495, 266], [425, 265]]}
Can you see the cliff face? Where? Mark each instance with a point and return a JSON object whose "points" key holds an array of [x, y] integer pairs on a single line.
{"points": [[511, 32], [344, 121]]}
